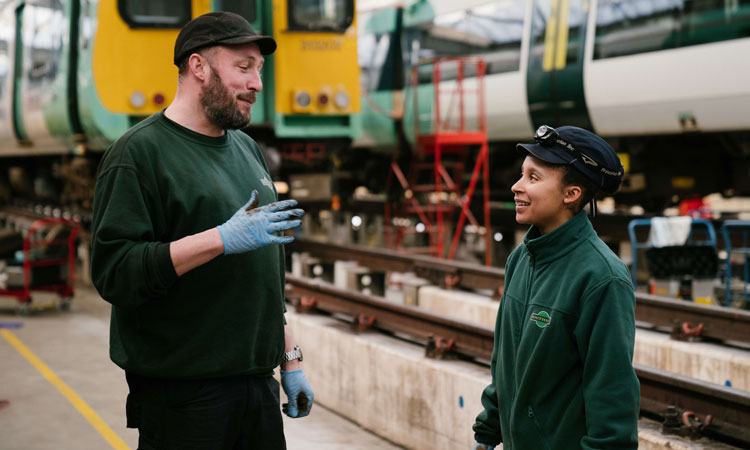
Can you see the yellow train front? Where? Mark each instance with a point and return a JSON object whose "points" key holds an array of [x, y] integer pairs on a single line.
{"points": [[75, 75]]}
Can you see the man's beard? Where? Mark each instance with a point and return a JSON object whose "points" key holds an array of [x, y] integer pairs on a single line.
{"points": [[220, 107]]}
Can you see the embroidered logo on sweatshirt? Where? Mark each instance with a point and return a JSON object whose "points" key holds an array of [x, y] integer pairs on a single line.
{"points": [[267, 183], [542, 318]]}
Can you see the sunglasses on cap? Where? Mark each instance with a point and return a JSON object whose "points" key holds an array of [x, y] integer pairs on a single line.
{"points": [[547, 136]]}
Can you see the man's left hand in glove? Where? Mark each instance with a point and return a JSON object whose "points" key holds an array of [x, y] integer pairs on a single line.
{"points": [[298, 392]]}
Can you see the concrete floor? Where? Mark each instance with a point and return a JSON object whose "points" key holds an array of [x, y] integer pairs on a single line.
{"points": [[73, 346]]}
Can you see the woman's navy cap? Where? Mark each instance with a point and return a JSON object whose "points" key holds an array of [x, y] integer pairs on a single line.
{"points": [[582, 149], [218, 28]]}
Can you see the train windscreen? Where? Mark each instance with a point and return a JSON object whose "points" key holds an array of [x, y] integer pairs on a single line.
{"points": [[320, 15], [155, 14], [242, 7]]}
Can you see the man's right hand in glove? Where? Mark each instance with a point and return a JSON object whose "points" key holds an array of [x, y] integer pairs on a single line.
{"points": [[253, 227]]}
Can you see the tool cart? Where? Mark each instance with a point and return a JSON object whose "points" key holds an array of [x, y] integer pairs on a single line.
{"points": [[45, 261]]}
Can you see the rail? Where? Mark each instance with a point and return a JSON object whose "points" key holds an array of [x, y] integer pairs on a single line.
{"points": [[685, 404], [440, 271], [696, 407], [684, 318]]}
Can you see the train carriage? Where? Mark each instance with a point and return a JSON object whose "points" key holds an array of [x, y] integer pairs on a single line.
{"points": [[75, 74], [664, 81]]}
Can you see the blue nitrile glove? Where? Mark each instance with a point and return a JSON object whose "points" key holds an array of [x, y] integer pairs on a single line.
{"points": [[251, 228], [478, 446], [298, 393]]}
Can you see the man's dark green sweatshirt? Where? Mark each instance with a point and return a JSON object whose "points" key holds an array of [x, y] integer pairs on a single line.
{"points": [[156, 184], [562, 373]]}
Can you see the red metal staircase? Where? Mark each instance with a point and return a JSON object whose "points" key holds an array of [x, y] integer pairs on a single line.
{"points": [[431, 189]]}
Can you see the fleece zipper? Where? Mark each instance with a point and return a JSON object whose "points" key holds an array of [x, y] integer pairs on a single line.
{"points": [[539, 429], [529, 279]]}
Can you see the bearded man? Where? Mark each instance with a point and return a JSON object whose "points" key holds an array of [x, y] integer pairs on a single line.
{"points": [[193, 269]]}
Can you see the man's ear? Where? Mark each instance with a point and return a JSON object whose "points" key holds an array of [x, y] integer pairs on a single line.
{"points": [[572, 194], [199, 67]]}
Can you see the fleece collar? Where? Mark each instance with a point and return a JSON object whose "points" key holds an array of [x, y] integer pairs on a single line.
{"points": [[560, 241]]}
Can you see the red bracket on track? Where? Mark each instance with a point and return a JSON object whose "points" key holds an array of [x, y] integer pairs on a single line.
{"points": [[439, 348], [364, 322], [308, 304], [687, 331], [694, 422], [451, 281], [691, 329]]}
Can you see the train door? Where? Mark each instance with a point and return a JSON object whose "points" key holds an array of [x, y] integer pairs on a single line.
{"points": [[7, 46], [555, 70], [44, 109], [254, 12], [381, 62]]}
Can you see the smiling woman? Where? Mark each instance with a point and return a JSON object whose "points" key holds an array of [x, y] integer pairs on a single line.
{"points": [[541, 197], [565, 330]]}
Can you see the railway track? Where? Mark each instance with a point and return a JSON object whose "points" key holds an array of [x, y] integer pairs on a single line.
{"points": [[685, 319], [685, 405]]}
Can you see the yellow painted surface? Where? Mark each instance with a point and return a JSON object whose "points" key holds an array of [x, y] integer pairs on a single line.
{"points": [[333, 57], [625, 160], [134, 60], [705, 300], [78, 403], [561, 53], [549, 38], [683, 182]]}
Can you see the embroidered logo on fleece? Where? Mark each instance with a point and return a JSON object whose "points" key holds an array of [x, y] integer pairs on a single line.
{"points": [[542, 319], [267, 183]]}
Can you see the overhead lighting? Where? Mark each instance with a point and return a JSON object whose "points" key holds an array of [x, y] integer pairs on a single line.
{"points": [[356, 222], [282, 187]]}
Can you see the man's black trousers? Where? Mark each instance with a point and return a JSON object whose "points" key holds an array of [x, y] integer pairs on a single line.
{"points": [[233, 413]]}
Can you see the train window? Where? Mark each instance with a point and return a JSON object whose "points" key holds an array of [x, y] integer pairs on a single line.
{"points": [[320, 15], [626, 28], [492, 31], [707, 21], [639, 26], [154, 13], [244, 8], [376, 68]]}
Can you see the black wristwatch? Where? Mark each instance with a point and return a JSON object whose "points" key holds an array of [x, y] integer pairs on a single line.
{"points": [[291, 356]]}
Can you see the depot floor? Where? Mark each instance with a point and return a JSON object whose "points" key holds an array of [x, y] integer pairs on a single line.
{"points": [[59, 390]]}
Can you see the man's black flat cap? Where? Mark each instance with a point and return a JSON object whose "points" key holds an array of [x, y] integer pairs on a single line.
{"points": [[218, 28]]}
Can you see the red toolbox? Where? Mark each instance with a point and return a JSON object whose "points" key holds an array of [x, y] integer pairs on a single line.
{"points": [[47, 263]]}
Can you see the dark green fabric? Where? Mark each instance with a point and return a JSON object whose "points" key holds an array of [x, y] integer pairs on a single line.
{"points": [[562, 374], [161, 182]]}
